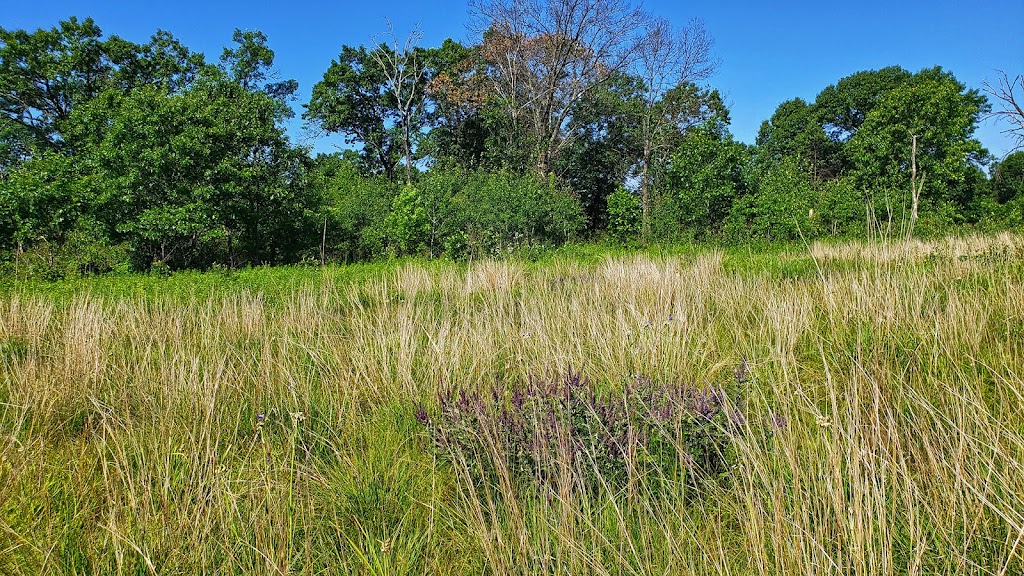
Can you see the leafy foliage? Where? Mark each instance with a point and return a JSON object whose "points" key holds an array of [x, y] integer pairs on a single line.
{"points": [[407, 224], [623, 215], [794, 131], [352, 100], [941, 113], [491, 213], [142, 155], [1008, 178], [781, 206], [703, 180]]}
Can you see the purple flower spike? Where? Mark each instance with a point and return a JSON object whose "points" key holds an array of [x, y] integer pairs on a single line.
{"points": [[421, 415], [778, 421]]}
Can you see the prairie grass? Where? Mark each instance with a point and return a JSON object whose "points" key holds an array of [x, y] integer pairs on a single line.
{"points": [[269, 427]]}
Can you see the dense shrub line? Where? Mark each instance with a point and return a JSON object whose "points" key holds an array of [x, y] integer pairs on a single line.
{"points": [[117, 156]]}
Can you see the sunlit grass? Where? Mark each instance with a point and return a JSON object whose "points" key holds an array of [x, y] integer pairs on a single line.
{"points": [[263, 422]]}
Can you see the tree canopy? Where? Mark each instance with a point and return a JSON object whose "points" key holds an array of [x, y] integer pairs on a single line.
{"points": [[557, 120]]}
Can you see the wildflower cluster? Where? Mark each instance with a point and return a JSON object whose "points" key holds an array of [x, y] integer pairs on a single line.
{"points": [[551, 430]]}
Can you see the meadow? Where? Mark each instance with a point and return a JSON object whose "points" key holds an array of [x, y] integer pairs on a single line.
{"points": [[838, 408]]}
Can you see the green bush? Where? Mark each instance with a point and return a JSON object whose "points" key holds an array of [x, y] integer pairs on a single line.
{"points": [[840, 208], [449, 212], [704, 178], [355, 210], [492, 213], [1008, 178], [781, 207], [623, 215], [407, 223], [84, 252]]}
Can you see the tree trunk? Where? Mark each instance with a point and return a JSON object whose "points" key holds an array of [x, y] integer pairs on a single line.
{"points": [[645, 193], [407, 142], [323, 245], [916, 186]]}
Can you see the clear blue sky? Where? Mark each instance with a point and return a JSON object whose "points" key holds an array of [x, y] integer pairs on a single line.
{"points": [[770, 51]]}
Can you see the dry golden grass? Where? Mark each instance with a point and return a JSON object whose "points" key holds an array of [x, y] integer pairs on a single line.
{"points": [[237, 434]]}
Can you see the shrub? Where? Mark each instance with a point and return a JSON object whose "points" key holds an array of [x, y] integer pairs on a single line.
{"points": [[841, 209], [407, 223], [1008, 178], [623, 215], [85, 251], [495, 213], [356, 209], [780, 208], [550, 431], [704, 179]]}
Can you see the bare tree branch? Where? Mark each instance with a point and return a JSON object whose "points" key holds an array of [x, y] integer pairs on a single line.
{"points": [[669, 59], [548, 54], [404, 75], [1012, 105]]}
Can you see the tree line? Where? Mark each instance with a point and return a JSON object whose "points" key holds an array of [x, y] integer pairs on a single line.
{"points": [[564, 120]]}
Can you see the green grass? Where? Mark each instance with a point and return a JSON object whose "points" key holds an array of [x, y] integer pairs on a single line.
{"points": [[262, 421]]}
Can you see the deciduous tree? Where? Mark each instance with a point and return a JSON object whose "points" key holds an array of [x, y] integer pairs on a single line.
{"points": [[671, 61], [46, 73], [353, 100], [546, 55], [937, 113], [795, 131]]}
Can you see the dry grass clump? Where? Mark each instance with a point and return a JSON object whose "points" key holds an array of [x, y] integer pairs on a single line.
{"points": [[881, 431], [913, 250]]}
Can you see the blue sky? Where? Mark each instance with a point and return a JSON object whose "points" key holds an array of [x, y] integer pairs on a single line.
{"points": [[770, 51]]}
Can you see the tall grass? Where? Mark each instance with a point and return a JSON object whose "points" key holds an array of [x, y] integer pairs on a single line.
{"points": [[243, 430]]}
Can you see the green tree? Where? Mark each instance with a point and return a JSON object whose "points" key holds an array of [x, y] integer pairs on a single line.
{"points": [[407, 223], [45, 74], [15, 146], [492, 213], [355, 207], [703, 180], [604, 145], [779, 207], [147, 147], [624, 215], [200, 174], [1008, 178], [795, 131], [921, 133], [41, 201], [843, 107], [163, 62], [355, 98], [841, 209], [250, 65]]}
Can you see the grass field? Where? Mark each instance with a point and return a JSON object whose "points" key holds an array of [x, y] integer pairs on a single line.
{"points": [[270, 421]]}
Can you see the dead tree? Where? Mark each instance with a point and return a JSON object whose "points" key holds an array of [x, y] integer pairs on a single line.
{"points": [[404, 73], [1012, 109], [546, 55], [669, 60]]}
